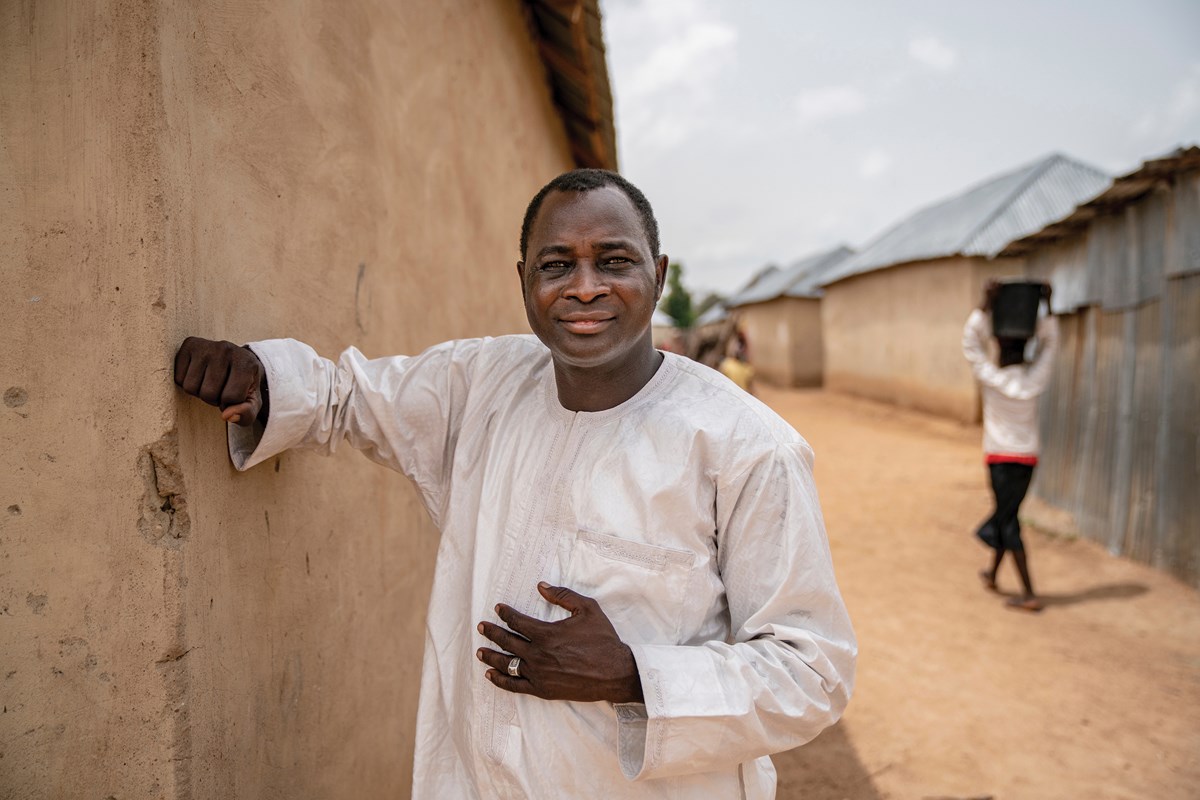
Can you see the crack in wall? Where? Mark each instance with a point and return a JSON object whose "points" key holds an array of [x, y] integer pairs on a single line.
{"points": [[164, 519], [174, 670]]}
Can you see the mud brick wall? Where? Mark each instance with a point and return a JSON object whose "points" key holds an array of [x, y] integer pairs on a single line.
{"points": [[342, 173]]}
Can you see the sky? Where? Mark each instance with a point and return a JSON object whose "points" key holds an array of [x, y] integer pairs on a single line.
{"points": [[766, 130]]}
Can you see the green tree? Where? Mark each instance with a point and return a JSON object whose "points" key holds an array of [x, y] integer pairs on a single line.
{"points": [[678, 303]]}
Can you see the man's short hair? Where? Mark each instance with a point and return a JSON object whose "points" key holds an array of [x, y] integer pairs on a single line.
{"points": [[585, 180]]}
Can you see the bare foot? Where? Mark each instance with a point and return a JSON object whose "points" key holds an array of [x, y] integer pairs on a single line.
{"points": [[1028, 603], [989, 580]]}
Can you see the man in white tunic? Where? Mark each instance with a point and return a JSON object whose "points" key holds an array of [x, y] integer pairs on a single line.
{"points": [[633, 594]]}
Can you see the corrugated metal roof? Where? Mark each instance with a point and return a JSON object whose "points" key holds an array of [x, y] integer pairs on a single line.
{"points": [[1116, 250], [758, 278], [800, 279], [1123, 191], [982, 220], [716, 313], [571, 44]]}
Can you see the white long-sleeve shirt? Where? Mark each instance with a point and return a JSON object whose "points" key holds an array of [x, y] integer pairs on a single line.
{"points": [[689, 512], [1010, 418]]}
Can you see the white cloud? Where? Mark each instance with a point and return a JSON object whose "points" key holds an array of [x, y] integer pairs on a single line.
{"points": [[1171, 121], [1145, 125], [1185, 100], [721, 246], [666, 57], [829, 221], [828, 102], [688, 59], [933, 52], [874, 163]]}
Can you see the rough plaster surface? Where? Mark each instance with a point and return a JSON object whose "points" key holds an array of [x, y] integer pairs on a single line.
{"points": [[340, 173], [876, 347], [785, 340]]}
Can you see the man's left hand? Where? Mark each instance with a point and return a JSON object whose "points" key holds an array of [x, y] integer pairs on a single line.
{"points": [[579, 658]]}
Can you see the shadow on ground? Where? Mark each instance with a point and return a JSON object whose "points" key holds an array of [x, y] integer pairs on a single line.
{"points": [[1112, 591], [826, 768]]}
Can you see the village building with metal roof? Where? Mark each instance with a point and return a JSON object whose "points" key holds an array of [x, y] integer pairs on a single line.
{"points": [[1119, 421], [779, 314], [892, 315]]}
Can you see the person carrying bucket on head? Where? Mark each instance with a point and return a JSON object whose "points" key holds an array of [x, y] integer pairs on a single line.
{"points": [[1010, 385]]}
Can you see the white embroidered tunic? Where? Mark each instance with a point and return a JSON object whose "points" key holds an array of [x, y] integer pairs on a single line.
{"points": [[689, 512]]}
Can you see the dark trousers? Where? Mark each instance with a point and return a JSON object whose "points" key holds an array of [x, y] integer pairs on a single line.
{"points": [[1002, 530]]}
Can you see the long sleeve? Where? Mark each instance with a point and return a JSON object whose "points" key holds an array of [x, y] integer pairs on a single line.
{"points": [[787, 669], [1018, 382], [402, 412], [975, 348]]}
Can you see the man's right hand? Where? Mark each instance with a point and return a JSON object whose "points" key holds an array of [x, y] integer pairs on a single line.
{"points": [[222, 375]]}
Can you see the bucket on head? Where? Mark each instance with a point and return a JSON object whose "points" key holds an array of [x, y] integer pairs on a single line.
{"points": [[1015, 309]]}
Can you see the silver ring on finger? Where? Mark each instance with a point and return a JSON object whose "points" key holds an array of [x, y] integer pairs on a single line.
{"points": [[514, 667]]}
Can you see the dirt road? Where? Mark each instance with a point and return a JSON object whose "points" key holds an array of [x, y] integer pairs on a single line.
{"points": [[958, 697]]}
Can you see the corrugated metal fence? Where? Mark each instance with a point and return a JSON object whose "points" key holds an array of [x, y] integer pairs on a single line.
{"points": [[1121, 419]]}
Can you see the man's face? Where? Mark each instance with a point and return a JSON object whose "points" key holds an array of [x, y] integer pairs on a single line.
{"points": [[589, 280]]}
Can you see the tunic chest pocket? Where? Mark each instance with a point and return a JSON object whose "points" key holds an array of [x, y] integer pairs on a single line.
{"points": [[641, 587]]}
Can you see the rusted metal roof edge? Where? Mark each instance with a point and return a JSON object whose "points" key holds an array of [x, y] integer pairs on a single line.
{"points": [[1124, 190], [570, 43]]}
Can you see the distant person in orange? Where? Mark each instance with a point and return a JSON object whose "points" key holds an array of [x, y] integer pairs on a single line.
{"points": [[736, 365], [1010, 386]]}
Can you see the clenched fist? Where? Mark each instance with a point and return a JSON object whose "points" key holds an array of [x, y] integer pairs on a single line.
{"points": [[223, 375]]}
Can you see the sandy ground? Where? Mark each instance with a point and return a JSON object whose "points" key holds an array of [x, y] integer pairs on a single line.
{"points": [[958, 697]]}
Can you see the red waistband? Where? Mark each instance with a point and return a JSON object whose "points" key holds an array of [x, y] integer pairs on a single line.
{"points": [[1008, 458]]}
